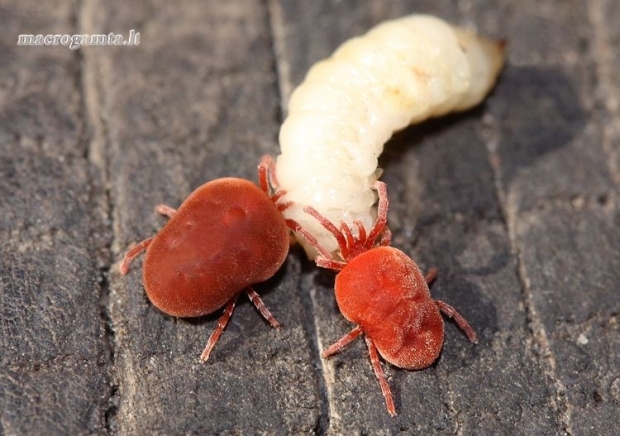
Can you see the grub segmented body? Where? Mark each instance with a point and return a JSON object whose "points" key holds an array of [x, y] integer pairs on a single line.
{"points": [[401, 72]]}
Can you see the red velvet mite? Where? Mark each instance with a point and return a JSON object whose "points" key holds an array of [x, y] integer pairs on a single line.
{"points": [[383, 291], [227, 235]]}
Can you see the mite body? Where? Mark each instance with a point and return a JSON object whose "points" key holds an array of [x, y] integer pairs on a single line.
{"points": [[402, 71], [227, 235], [383, 291]]}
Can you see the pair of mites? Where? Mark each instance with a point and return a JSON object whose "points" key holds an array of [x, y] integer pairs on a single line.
{"points": [[191, 269]]}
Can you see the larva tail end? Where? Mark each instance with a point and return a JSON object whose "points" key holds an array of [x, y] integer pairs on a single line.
{"points": [[494, 52], [486, 59]]}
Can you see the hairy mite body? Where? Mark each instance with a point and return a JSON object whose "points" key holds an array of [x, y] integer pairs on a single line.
{"points": [[383, 291], [227, 235], [402, 71]]}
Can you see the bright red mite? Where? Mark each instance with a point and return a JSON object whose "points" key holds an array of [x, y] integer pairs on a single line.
{"points": [[383, 291], [227, 235]]}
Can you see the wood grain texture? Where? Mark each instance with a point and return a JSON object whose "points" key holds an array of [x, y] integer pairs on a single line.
{"points": [[197, 101], [53, 369], [515, 202]]}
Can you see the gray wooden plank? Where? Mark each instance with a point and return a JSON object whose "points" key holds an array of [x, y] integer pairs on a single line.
{"points": [[448, 215], [53, 378], [462, 234], [605, 39], [198, 100], [561, 203]]}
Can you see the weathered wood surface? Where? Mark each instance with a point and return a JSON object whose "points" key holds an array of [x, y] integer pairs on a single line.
{"points": [[516, 203]]}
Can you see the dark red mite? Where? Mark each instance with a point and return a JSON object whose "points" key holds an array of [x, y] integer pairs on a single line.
{"points": [[227, 235], [383, 291]]}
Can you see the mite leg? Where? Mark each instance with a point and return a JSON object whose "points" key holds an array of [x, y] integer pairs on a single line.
{"points": [[348, 234], [264, 168], [331, 228], [267, 173], [221, 325], [268, 181], [132, 253], [325, 258], [451, 312], [258, 302], [385, 388], [165, 210], [342, 342], [280, 206], [361, 231], [329, 263], [294, 226], [348, 244], [140, 247], [381, 220], [386, 237], [430, 276]]}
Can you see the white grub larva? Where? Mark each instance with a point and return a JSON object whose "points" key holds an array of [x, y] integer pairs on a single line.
{"points": [[349, 105]]}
